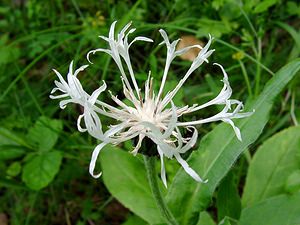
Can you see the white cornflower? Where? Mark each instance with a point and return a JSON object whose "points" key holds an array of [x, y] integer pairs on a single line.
{"points": [[145, 116]]}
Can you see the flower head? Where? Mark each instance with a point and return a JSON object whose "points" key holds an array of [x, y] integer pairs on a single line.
{"points": [[149, 115]]}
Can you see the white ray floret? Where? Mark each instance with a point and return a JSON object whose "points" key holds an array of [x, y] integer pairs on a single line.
{"points": [[150, 116]]}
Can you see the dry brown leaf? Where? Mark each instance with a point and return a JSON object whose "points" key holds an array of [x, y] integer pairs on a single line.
{"points": [[188, 40], [3, 219]]}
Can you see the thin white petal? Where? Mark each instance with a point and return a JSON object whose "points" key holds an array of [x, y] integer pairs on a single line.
{"points": [[191, 142], [63, 103], [138, 145], [162, 167], [78, 124], [186, 49], [188, 169], [140, 39], [58, 96], [61, 79], [111, 35], [236, 129], [94, 160], [97, 50], [96, 93], [124, 29], [82, 68], [172, 123], [104, 38], [165, 37]]}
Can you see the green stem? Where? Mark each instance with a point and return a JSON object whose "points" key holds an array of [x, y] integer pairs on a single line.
{"points": [[246, 77], [152, 178], [258, 68]]}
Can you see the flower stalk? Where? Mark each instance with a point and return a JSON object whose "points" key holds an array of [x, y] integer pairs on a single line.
{"points": [[159, 199]]}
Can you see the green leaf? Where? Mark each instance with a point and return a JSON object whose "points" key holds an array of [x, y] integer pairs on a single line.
{"points": [[14, 169], [45, 133], [279, 210], [125, 177], [214, 27], [228, 199], [10, 152], [292, 184], [292, 31], [10, 145], [205, 219], [228, 221], [264, 5], [8, 53], [293, 8], [134, 220], [8, 137], [41, 169], [273, 162], [220, 149]]}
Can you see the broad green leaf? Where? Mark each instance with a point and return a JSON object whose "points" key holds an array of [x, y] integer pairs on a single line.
{"points": [[125, 177], [228, 199], [41, 169], [271, 165], [220, 149], [205, 219], [279, 210], [45, 133]]}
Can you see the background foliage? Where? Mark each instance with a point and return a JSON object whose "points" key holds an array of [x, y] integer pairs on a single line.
{"points": [[44, 160]]}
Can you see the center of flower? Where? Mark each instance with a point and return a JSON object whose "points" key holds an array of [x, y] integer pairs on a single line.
{"points": [[147, 112]]}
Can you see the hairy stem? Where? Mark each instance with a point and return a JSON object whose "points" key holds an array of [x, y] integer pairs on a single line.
{"points": [[152, 178]]}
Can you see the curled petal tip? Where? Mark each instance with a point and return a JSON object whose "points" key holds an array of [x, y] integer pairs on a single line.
{"points": [[97, 176], [88, 56]]}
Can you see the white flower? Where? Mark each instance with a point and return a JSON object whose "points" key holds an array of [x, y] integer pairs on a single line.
{"points": [[146, 116]]}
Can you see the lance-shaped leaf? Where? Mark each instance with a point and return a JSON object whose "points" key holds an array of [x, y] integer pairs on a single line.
{"points": [[220, 149]]}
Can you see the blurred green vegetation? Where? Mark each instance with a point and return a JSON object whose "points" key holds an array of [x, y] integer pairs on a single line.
{"points": [[253, 39]]}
